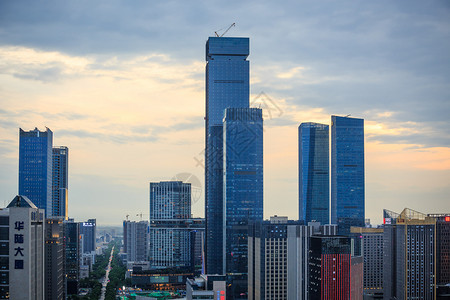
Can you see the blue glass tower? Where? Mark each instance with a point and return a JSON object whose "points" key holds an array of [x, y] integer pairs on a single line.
{"points": [[35, 167], [227, 85], [60, 181], [313, 160], [243, 182], [347, 173]]}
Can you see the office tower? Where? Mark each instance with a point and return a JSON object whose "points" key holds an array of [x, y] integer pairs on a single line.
{"points": [[73, 252], [24, 223], [136, 245], [371, 249], [54, 259], [278, 254], [347, 173], [88, 232], [330, 264], [60, 180], [409, 265], [170, 211], [313, 168], [35, 167], [227, 85], [243, 182], [442, 254]]}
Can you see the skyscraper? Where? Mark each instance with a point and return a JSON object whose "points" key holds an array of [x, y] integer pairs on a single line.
{"points": [[35, 167], [347, 173], [136, 240], [170, 208], [409, 259], [60, 182], [227, 85], [73, 254], [313, 160], [54, 259], [243, 182]]}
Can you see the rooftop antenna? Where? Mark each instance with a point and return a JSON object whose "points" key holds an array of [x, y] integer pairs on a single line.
{"points": [[217, 35]]}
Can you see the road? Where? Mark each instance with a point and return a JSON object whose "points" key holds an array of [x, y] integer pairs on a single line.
{"points": [[106, 278]]}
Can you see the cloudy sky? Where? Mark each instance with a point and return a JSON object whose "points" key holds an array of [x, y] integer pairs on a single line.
{"points": [[121, 83]]}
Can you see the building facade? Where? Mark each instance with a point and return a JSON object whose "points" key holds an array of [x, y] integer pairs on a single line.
{"points": [[73, 251], [243, 182], [136, 240], [314, 172], [409, 266], [54, 259], [227, 85], [26, 250], [60, 181], [371, 249], [347, 173], [35, 167], [442, 254], [330, 264], [170, 209]]}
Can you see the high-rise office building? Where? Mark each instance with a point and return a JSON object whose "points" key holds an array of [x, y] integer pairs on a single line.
{"points": [[409, 266], [60, 180], [227, 85], [23, 222], [243, 182], [136, 240], [371, 249], [442, 255], [35, 167], [347, 173], [73, 251], [170, 209], [278, 254], [330, 264], [313, 168], [88, 232], [54, 259]]}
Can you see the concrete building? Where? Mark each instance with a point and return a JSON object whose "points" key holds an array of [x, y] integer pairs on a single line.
{"points": [[409, 265], [371, 249], [54, 259], [278, 254], [136, 240], [24, 223]]}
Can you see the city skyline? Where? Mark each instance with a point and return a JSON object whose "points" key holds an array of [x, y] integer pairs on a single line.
{"points": [[134, 114]]}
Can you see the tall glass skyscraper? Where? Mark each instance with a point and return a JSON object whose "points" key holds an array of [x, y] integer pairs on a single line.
{"points": [[347, 173], [313, 168], [60, 182], [227, 85], [243, 182], [35, 167]]}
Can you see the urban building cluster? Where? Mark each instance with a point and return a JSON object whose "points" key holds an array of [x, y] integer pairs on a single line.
{"points": [[44, 253], [330, 252]]}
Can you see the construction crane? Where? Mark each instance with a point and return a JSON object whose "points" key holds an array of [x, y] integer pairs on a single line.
{"points": [[217, 35]]}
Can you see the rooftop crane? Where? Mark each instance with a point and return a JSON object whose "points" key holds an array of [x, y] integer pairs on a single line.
{"points": [[217, 35]]}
